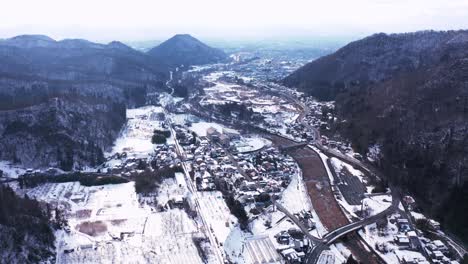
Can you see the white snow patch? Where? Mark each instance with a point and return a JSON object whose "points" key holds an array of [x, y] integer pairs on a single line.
{"points": [[135, 138], [11, 170]]}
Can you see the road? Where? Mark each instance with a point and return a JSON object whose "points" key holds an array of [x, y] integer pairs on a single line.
{"points": [[198, 110], [336, 234], [304, 229], [234, 161], [332, 236], [456, 245]]}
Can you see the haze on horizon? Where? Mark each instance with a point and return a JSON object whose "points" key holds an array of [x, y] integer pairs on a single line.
{"points": [[139, 20]]}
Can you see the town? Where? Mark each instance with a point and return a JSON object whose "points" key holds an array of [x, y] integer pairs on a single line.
{"points": [[241, 171]]}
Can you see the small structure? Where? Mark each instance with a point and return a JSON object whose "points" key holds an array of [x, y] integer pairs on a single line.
{"points": [[403, 225], [440, 246], [224, 140], [212, 134], [414, 241], [434, 224], [402, 241], [232, 134], [409, 202]]}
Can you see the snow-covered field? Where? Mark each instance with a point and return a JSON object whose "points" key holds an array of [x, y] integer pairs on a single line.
{"points": [[171, 189], [220, 219], [117, 228], [135, 138]]}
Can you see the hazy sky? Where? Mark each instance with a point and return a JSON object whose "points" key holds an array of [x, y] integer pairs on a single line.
{"points": [[105, 20]]}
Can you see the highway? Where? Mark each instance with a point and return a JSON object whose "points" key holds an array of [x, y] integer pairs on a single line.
{"points": [[332, 236]]}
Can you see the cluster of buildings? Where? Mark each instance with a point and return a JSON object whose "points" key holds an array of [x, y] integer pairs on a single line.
{"points": [[317, 117], [267, 173], [184, 136], [223, 138], [271, 66], [252, 178], [413, 246], [293, 245], [299, 131], [164, 155], [435, 249], [438, 252]]}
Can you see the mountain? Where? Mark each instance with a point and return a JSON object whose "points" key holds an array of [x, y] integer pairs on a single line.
{"points": [[374, 59], [66, 99], [66, 132], [29, 41], [184, 49], [407, 94], [77, 60]]}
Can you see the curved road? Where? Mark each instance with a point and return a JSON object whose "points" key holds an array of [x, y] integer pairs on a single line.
{"points": [[332, 236]]}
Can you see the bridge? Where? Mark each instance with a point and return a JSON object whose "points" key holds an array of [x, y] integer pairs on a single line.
{"points": [[340, 232], [329, 238]]}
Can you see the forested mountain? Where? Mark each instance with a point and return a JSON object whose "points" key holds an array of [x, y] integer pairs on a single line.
{"points": [[374, 59], [63, 102], [183, 49], [408, 94]]}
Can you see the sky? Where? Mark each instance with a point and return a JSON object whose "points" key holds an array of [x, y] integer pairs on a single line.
{"points": [[138, 20]]}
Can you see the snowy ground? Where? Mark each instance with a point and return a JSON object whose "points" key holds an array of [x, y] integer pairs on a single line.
{"points": [[385, 239], [251, 143], [220, 219], [200, 128], [135, 138], [171, 189], [132, 232], [295, 199], [10, 170], [339, 165]]}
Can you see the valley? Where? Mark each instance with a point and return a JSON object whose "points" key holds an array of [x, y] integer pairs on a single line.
{"points": [[215, 163]]}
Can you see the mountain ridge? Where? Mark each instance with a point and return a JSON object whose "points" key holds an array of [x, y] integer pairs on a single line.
{"points": [[406, 93], [373, 59], [184, 49], [93, 82]]}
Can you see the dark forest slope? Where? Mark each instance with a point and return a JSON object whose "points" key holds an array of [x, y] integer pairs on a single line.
{"points": [[407, 93], [62, 103], [25, 234]]}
